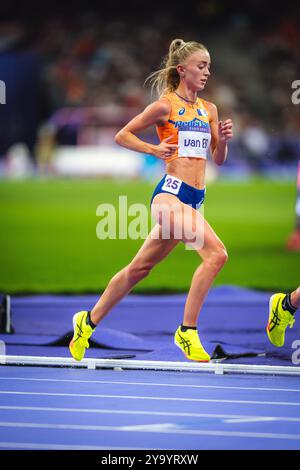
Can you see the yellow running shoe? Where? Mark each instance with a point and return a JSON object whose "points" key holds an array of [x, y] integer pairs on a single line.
{"points": [[279, 319], [188, 341], [82, 332]]}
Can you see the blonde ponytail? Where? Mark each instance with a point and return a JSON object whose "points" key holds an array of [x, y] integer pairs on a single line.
{"points": [[167, 78]]}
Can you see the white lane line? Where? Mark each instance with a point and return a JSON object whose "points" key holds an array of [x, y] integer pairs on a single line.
{"points": [[156, 427], [36, 445], [250, 419], [135, 397], [153, 384], [160, 428], [227, 418]]}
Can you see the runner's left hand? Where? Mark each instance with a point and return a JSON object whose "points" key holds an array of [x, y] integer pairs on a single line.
{"points": [[225, 130]]}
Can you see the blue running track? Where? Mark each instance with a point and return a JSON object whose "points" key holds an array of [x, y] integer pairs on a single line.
{"points": [[72, 408], [60, 408]]}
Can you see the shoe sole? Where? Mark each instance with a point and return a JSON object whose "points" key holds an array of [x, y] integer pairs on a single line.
{"points": [[195, 360]]}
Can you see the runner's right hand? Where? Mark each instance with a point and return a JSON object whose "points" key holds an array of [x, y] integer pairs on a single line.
{"points": [[165, 150]]}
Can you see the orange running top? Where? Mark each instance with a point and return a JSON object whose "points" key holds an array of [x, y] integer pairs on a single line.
{"points": [[189, 126]]}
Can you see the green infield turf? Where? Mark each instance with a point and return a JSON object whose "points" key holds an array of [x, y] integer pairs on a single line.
{"points": [[49, 245]]}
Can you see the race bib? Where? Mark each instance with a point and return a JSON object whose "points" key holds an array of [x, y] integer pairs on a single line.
{"points": [[171, 184], [193, 143]]}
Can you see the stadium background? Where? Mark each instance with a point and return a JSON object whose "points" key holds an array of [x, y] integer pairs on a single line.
{"points": [[75, 74]]}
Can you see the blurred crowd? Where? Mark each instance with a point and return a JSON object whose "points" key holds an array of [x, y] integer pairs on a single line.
{"points": [[91, 60]]}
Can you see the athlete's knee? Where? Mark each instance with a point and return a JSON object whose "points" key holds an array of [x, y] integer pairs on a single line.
{"points": [[217, 258], [224, 256]]}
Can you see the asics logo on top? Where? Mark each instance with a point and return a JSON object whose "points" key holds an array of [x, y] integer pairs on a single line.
{"points": [[181, 111]]}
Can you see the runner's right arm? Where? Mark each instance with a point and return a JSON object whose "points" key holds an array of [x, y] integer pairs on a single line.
{"points": [[155, 113]]}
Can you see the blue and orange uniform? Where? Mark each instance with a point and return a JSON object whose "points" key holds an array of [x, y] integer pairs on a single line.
{"points": [[189, 127]]}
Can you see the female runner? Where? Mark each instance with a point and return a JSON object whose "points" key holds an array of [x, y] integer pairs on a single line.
{"points": [[188, 128]]}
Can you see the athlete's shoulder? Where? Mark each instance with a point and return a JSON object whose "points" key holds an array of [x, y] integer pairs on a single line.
{"points": [[158, 111], [164, 103], [167, 98], [162, 107], [209, 104]]}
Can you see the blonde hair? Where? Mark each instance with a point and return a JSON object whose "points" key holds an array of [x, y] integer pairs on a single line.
{"points": [[167, 78]]}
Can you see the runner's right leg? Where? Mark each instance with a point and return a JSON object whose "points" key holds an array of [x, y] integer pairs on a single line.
{"points": [[153, 250]]}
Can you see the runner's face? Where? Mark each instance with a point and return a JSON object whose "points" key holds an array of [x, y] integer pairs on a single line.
{"points": [[195, 70]]}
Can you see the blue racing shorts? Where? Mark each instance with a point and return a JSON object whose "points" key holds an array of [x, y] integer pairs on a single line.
{"points": [[187, 194]]}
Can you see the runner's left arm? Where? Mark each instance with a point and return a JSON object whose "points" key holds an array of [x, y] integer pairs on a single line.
{"points": [[221, 132]]}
